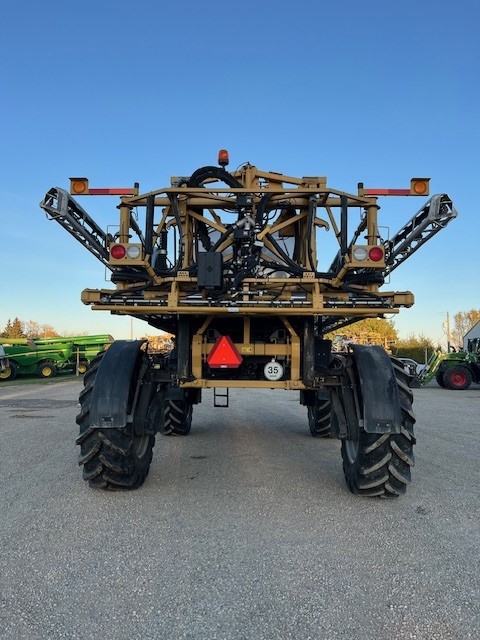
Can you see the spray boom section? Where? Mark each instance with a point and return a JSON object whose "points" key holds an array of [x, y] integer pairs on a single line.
{"points": [[248, 241]]}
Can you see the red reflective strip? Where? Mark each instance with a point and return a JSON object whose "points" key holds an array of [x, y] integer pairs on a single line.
{"points": [[111, 192], [224, 354], [385, 192]]}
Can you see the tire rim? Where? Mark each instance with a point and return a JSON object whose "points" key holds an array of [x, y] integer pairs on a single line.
{"points": [[46, 372], [458, 379]]}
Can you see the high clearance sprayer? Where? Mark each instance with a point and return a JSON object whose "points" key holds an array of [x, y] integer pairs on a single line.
{"points": [[227, 262]]}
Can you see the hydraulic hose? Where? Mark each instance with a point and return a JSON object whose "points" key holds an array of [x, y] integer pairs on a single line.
{"points": [[262, 205], [312, 204], [150, 209], [199, 176], [224, 236], [176, 214], [296, 268], [197, 179]]}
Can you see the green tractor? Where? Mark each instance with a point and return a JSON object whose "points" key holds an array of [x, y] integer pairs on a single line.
{"points": [[455, 370]]}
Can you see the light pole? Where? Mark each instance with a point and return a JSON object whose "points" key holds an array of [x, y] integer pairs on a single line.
{"points": [[446, 327]]}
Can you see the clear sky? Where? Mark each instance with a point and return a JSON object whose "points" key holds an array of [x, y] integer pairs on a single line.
{"points": [[373, 91]]}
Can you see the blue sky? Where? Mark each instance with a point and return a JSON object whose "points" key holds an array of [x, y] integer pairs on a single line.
{"points": [[371, 91]]}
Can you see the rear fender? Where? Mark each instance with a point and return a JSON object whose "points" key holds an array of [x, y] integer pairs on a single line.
{"points": [[378, 384], [112, 389]]}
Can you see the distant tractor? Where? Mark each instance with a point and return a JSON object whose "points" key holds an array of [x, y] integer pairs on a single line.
{"points": [[455, 370]]}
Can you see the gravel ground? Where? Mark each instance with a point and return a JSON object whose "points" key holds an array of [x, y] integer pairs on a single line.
{"points": [[243, 530]]}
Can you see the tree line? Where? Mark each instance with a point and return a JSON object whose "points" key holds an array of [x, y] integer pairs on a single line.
{"points": [[383, 332], [463, 321], [30, 329], [370, 331]]}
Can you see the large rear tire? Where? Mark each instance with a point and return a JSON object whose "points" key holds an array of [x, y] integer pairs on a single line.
{"points": [[320, 416], [177, 418], [380, 464], [112, 458]]}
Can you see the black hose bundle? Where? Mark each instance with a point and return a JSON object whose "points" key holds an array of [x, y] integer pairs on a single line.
{"points": [[197, 179], [199, 176]]}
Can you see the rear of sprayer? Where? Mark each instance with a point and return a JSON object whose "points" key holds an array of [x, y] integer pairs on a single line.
{"points": [[227, 262]]}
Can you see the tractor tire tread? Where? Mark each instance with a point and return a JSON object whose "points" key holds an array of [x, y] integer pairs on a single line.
{"points": [[384, 461], [177, 418], [108, 456], [320, 417]]}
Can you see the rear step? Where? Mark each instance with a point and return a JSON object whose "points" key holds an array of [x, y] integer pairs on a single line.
{"points": [[220, 399]]}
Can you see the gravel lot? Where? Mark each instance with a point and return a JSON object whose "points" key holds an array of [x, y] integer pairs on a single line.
{"points": [[243, 530]]}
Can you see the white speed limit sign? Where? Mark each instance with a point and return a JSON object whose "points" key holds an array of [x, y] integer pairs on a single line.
{"points": [[273, 370]]}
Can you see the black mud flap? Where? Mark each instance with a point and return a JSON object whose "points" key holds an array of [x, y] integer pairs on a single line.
{"points": [[378, 384], [110, 394]]}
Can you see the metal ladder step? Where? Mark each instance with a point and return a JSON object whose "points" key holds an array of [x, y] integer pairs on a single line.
{"points": [[220, 399]]}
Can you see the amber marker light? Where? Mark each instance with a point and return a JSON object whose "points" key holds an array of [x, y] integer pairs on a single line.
{"points": [[223, 158], [419, 186], [79, 186]]}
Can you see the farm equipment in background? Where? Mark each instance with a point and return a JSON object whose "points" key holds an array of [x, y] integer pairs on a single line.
{"points": [[25, 357], [3, 360], [341, 341], [455, 370], [228, 264], [84, 348], [45, 357]]}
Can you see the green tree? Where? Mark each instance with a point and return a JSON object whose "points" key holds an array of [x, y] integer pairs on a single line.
{"points": [[369, 331], [415, 347], [385, 328], [30, 329]]}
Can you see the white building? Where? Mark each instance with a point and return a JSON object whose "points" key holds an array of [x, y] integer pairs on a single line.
{"points": [[473, 333]]}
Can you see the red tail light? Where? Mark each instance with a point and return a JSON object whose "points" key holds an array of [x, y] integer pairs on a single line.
{"points": [[118, 251], [375, 254]]}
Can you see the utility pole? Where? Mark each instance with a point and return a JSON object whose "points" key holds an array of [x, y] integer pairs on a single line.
{"points": [[447, 326]]}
